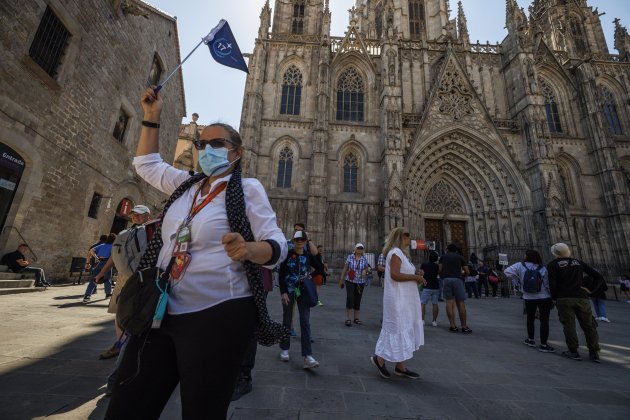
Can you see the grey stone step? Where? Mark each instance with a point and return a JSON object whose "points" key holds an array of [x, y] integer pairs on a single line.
{"points": [[17, 290], [13, 284], [16, 276]]}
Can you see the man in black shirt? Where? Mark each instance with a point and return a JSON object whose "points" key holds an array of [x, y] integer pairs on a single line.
{"points": [[451, 266], [565, 284], [17, 262], [432, 290]]}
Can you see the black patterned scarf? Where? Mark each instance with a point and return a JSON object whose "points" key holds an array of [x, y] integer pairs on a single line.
{"points": [[268, 332]]}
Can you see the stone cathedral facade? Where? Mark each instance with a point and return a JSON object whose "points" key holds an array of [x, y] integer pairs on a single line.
{"points": [[404, 121]]}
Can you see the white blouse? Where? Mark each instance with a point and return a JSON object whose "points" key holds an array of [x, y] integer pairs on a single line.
{"points": [[211, 277]]}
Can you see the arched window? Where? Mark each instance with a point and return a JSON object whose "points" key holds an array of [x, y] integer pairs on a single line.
{"points": [[551, 107], [416, 18], [350, 96], [297, 25], [350, 173], [610, 110], [285, 168], [577, 32], [291, 91]]}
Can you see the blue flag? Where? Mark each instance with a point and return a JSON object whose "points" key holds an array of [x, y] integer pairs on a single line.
{"points": [[224, 48]]}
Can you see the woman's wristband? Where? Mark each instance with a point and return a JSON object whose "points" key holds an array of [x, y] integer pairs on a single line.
{"points": [[150, 124]]}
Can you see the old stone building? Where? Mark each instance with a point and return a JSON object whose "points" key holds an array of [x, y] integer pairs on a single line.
{"points": [[71, 77], [405, 121]]}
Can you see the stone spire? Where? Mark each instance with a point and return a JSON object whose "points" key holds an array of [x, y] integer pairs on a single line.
{"points": [[462, 26], [622, 41], [265, 21]]}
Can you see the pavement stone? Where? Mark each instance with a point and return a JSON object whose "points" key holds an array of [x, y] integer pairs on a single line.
{"points": [[49, 366]]}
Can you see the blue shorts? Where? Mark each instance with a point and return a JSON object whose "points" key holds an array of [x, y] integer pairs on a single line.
{"points": [[454, 289], [430, 294]]}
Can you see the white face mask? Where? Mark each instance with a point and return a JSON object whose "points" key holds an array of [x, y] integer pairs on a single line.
{"points": [[215, 161]]}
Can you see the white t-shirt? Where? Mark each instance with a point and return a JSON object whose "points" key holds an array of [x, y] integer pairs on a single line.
{"points": [[211, 277]]}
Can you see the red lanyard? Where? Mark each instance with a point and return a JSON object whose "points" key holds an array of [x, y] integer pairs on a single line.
{"points": [[196, 209]]}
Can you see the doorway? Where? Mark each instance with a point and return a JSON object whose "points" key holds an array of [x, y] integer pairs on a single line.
{"points": [[12, 167], [436, 230]]}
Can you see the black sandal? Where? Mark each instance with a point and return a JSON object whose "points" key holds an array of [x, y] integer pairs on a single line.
{"points": [[466, 330], [357, 321], [348, 323], [453, 329]]}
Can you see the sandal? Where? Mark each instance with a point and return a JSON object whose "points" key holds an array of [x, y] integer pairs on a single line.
{"points": [[357, 321], [453, 329], [348, 323], [466, 330]]}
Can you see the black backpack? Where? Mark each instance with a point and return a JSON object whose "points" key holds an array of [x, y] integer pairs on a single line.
{"points": [[532, 279]]}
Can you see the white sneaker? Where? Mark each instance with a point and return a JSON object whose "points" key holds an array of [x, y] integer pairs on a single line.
{"points": [[434, 324], [284, 355], [604, 319], [597, 318], [310, 362]]}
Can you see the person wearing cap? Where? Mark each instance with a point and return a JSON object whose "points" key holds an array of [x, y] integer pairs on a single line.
{"points": [[353, 279], [139, 216], [220, 229], [566, 276], [101, 253], [293, 270]]}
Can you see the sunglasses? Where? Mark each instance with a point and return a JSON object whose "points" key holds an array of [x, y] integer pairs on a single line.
{"points": [[360, 247], [214, 143], [407, 234]]}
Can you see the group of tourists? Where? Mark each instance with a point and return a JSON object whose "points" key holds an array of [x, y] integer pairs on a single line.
{"points": [[218, 243]]}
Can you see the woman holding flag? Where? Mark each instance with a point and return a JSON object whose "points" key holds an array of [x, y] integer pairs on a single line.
{"points": [[216, 231]]}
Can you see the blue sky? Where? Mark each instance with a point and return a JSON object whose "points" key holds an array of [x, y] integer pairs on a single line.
{"points": [[215, 92]]}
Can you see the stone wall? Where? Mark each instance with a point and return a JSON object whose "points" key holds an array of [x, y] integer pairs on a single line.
{"points": [[63, 126]]}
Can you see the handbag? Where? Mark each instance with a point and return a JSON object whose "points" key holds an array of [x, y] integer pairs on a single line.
{"points": [[309, 291], [139, 299]]}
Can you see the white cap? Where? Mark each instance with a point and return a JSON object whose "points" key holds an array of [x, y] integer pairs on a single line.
{"points": [[300, 234], [359, 245], [141, 209]]}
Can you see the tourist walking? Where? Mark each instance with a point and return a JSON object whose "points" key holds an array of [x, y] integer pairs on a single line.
{"points": [[534, 281], [222, 228], [319, 275], [452, 264], [402, 332], [565, 284], [431, 291], [598, 297], [293, 272], [353, 279], [101, 254]]}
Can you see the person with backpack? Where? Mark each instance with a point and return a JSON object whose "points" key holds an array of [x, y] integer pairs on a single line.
{"points": [[494, 281], [598, 297], [127, 250], [218, 228], [566, 284], [293, 271], [533, 278], [471, 281]]}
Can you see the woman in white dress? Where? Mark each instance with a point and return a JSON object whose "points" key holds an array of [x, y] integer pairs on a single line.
{"points": [[402, 332]]}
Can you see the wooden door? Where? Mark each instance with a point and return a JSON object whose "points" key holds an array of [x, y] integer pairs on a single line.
{"points": [[434, 231], [458, 236]]}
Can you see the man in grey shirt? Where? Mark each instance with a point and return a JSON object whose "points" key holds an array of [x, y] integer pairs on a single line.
{"points": [[451, 266]]}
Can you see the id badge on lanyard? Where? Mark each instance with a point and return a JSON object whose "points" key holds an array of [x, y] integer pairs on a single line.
{"points": [[180, 252]]}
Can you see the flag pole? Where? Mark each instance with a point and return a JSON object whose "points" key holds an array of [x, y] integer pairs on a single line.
{"points": [[161, 85]]}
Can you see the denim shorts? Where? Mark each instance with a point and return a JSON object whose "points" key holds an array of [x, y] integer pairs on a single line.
{"points": [[454, 289], [430, 294]]}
